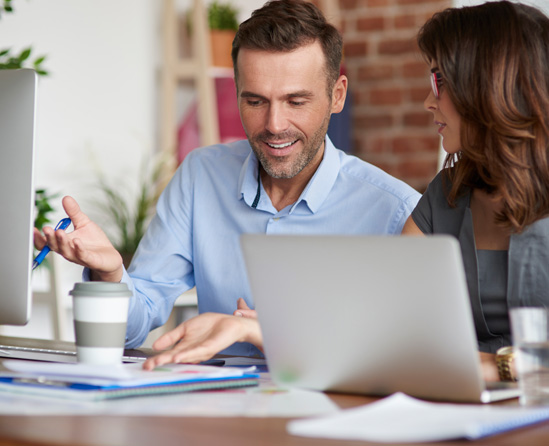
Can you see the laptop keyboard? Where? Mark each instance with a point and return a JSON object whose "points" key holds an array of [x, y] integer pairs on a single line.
{"points": [[44, 354]]}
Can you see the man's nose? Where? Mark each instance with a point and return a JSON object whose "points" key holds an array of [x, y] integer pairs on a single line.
{"points": [[277, 120]]}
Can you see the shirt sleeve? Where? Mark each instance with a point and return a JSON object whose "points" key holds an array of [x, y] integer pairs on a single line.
{"points": [[162, 267], [423, 212]]}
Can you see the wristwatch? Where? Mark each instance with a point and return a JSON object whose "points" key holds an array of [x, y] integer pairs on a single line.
{"points": [[504, 358]]}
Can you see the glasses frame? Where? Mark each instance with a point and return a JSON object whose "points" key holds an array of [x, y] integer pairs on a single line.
{"points": [[436, 83]]}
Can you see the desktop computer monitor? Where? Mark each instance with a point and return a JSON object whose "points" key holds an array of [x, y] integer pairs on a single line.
{"points": [[17, 130]]}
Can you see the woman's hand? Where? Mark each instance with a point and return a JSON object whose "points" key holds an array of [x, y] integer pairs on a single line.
{"points": [[489, 366]]}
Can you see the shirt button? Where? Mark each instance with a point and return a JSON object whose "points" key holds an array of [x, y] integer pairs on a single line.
{"points": [[276, 218]]}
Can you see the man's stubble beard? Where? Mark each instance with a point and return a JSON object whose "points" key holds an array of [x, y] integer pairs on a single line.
{"points": [[275, 169]]}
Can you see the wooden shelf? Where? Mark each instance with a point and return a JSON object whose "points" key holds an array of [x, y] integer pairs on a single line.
{"points": [[194, 68]]}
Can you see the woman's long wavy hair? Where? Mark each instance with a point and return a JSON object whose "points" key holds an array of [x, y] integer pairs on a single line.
{"points": [[494, 59]]}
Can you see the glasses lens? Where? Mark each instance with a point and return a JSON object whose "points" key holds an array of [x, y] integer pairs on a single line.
{"points": [[434, 84]]}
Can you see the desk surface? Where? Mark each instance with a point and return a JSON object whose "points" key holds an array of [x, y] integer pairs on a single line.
{"points": [[166, 431]]}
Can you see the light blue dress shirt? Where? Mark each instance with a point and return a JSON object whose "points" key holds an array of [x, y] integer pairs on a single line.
{"points": [[214, 197]]}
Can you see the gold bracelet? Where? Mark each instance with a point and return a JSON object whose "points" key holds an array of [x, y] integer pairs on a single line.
{"points": [[504, 358]]}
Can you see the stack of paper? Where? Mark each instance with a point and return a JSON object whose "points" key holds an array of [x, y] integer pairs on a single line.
{"points": [[89, 382], [400, 419]]}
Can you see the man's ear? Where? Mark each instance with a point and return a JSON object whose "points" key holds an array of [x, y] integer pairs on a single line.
{"points": [[339, 93]]}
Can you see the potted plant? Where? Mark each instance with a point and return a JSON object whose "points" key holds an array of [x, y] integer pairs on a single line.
{"points": [[11, 61], [223, 23], [128, 214]]}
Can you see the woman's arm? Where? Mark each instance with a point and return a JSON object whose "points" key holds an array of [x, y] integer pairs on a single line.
{"points": [[410, 228]]}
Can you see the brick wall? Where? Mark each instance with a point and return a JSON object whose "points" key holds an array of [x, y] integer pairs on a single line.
{"points": [[388, 81]]}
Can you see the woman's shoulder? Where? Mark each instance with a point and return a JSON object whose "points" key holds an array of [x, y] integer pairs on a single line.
{"points": [[439, 189], [439, 185]]}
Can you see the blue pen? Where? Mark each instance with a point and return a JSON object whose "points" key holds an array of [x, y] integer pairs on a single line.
{"points": [[63, 224]]}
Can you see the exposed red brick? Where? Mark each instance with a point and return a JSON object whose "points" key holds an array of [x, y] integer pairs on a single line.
{"points": [[397, 46], [415, 69], [418, 169], [415, 144], [417, 2], [388, 80], [405, 21], [355, 49], [386, 96], [360, 97], [347, 4], [370, 23], [373, 121], [417, 119], [376, 3], [376, 72], [380, 145], [419, 94]]}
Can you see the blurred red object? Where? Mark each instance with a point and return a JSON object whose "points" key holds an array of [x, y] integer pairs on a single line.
{"points": [[230, 127]]}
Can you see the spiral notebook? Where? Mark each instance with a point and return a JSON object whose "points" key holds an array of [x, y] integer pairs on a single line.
{"points": [[94, 383]]}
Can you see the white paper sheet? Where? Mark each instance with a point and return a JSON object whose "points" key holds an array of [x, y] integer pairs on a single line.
{"points": [[400, 418]]}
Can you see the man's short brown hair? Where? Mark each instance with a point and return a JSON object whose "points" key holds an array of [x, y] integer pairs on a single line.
{"points": [[285, 25]]}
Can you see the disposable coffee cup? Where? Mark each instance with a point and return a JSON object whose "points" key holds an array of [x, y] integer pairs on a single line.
{"points": [[100, 318]]}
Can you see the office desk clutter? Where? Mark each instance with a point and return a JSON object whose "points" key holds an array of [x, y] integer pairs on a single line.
{"points": [[100, 382], [238, 389]]}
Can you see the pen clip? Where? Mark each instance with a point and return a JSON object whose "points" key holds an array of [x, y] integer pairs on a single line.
{"points": [[63, 223]]}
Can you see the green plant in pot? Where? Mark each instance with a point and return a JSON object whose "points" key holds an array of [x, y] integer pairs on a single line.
{"points": [[223, 23], [222, 16], [128, 214], [13, 61]]}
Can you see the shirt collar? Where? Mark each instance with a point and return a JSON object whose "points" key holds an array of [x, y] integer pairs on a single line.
{"points": [[315, 192]]}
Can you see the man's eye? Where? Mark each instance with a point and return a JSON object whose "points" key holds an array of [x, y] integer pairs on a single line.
{"points": [[297, 103], [254, 103]]}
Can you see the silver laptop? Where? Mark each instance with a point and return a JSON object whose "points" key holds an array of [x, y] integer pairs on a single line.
{"points": [[367, 314]]}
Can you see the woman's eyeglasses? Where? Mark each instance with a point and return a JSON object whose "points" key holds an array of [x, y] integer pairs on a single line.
{"points": [[436, 83]]}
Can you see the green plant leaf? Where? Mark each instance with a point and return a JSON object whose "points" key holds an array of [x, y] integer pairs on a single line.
{"points": [[25, 54], [43, 207], [38, 61], [130, 215], [222, 16], [12, 62]]}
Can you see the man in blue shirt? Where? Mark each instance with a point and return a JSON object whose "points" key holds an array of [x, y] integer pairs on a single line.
{"points": [[287, 177]]}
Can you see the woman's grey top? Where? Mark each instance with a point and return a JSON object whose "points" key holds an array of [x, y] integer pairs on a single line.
{"points": [[492, 285], [527, 259]]}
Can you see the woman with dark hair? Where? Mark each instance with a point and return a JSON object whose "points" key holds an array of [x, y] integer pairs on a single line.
{"points": [[490, 99]]}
